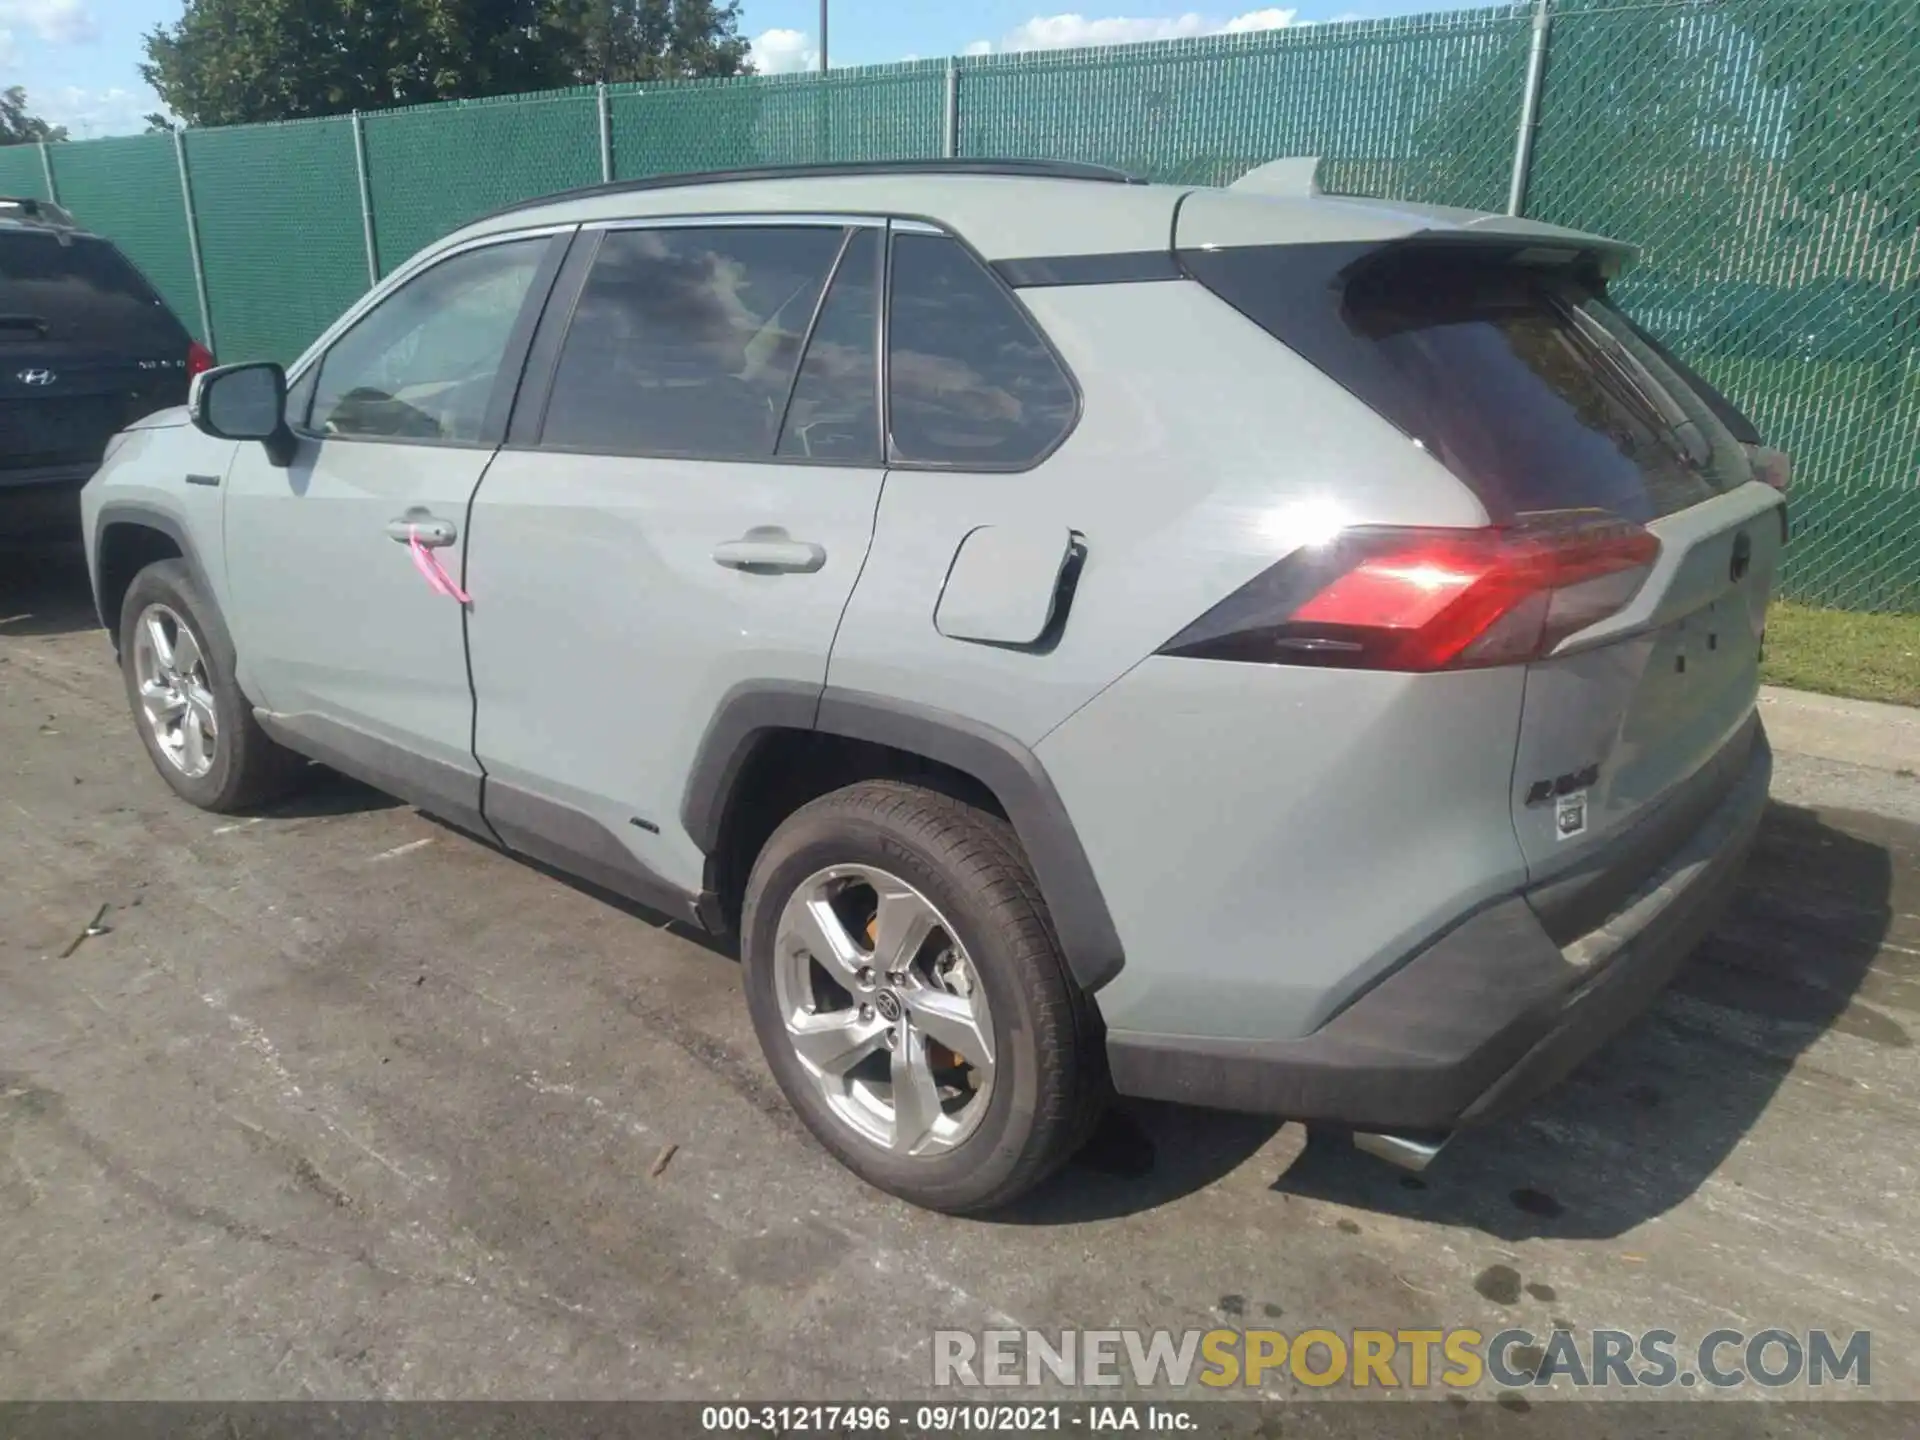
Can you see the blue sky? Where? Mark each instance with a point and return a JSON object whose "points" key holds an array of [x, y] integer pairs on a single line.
{"points": [[79, 58]]}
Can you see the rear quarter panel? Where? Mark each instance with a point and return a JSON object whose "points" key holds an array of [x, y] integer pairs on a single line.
{"points": [[1205, 451]]}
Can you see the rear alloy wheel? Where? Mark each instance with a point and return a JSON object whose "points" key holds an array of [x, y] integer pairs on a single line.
{"points": [[883, 1009], [911, 999]]}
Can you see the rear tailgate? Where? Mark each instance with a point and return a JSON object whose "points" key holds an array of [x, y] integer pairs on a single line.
{"points": [[1629, 718], [86, 347]]}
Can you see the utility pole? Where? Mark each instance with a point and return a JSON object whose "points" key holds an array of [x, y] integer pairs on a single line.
{"points": [[1530, 108], [823, 37]]}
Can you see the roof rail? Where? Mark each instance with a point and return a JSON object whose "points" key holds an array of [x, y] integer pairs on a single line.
{"points": [[1032, 169], [26, 207]]}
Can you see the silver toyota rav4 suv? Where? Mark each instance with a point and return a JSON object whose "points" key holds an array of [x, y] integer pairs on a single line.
{"points": [[1240, 646]]}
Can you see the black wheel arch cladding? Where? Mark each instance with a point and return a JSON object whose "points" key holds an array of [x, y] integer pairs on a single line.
{"points": [[1000, 763]]}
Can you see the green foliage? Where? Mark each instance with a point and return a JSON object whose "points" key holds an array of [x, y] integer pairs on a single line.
{"points": [[615, 40], [229, 62], [17, 127], [1866, 657]]}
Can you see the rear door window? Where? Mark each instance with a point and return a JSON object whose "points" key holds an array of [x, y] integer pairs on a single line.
{"points": [[970, 382], [1521, 379], [685, 341], [79, 289], [834, 414]]}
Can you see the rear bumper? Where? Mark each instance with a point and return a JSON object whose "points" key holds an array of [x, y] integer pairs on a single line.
{"points": [[41, 501], [1491, 1013]]}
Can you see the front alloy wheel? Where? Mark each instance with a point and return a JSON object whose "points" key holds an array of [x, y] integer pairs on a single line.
{"points": [[175, 692], [884, 1009], [177, 663]]}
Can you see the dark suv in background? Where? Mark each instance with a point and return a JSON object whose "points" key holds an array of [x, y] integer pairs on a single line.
{"points": [[87, 346]]}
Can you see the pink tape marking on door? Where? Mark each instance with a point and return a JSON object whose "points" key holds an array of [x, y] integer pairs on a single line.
{"points": [[435, 574]]}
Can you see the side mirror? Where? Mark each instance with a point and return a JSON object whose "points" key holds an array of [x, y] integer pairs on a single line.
{"points": [[244, 402]]}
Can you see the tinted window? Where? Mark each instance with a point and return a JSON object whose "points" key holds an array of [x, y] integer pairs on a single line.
{"points": [[969, 380], [835, 411], [1520, 379], [422, 363], [78, 288], [685, 342]]}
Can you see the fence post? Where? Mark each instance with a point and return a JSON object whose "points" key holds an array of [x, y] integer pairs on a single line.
{"points": [[193, 234], [606, 134], [46, 169], [1530, 108], [950, 125], [366, 200]]}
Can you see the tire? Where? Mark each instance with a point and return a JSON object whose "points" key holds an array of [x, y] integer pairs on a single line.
{"points": [[1046, 1074], [244, 767]]}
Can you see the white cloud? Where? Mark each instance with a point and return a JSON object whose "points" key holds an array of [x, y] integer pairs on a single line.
{"points": [[1272, 18], [61, 22], [1066, 32], [782, 52], [9, 51], [89, 114]]}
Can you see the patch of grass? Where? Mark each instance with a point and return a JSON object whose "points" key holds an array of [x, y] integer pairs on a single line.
{"points": [[1864, 657]]}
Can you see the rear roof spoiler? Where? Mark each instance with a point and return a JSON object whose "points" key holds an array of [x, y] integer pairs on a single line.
{"points": [[1297, 177]]}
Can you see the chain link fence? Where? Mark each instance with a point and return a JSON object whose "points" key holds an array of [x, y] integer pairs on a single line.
{"points": [[1764, 154]]}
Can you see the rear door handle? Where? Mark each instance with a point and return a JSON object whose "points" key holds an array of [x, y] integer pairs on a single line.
{"points": [[770, 554], [433, 533]]}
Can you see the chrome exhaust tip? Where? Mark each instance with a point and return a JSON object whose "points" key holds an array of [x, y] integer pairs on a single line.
{"points": [[1409, 1152]]}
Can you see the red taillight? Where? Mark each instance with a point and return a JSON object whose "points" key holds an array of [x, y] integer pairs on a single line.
{"points": [[199, 358], [1402, 599]]}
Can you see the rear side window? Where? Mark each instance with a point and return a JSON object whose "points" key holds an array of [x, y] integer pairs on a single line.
{"points": [[79, 288], [1521, 379], [685, 342], [970, 382]]}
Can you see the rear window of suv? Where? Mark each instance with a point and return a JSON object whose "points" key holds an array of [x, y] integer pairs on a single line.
{"points": [[79, 288], [1519, 377]]}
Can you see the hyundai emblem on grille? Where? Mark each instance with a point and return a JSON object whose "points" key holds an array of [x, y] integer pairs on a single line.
{"points": [[37, 377]]}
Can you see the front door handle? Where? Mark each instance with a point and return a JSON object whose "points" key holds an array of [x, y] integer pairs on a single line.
{"points": [[769, 554], [433, 533]]}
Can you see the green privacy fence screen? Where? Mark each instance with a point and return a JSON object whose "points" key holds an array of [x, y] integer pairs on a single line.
{"points": [[1765, 154]]}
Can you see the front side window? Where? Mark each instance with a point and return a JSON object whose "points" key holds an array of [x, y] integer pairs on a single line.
{"points": [[421, 364], [685, 341], [970, 382]]}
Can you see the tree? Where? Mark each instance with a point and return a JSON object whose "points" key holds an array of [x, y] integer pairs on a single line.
{"points": [[615, 40], [228, 62], [17, 127]]}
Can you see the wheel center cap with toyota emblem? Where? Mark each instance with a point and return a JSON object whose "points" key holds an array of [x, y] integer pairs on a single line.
{"points": [[888, 1004]]}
